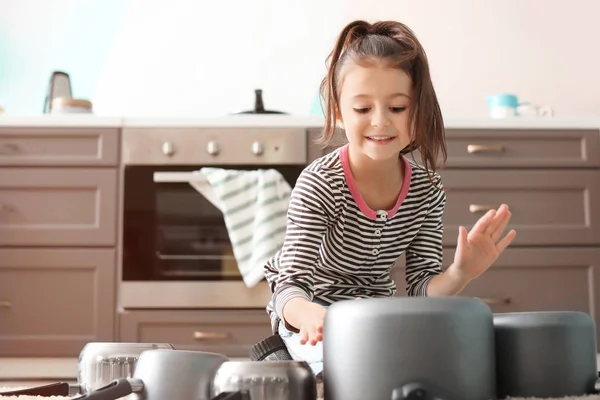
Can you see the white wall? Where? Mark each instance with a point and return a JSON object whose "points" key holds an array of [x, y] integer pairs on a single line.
{"points": [[204, 58]]}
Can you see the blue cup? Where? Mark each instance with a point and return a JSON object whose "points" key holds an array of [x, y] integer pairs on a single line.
{"points": [[503, 104], [502, 100]]}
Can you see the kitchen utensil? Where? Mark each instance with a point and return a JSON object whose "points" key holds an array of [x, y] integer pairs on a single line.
{"points": [[545, 354], [259, 106], [99, 364], [168, 374], [59, 86], [409, 348], [267, 380]]}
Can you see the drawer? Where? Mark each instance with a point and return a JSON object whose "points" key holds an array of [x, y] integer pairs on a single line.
{"points": [[535, 279], [54, 301], [543, 279], [58, 207], [523, 148], [231, 146], [559, 207], [229, 332], [59, 146]]}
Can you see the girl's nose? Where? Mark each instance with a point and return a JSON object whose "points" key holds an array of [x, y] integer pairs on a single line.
{"points": [[380, 119]]}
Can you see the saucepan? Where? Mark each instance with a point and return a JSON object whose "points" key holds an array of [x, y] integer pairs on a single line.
{"points": [[99, 364], [545, 354], [169, 374], [404, 348], [448, 348]]}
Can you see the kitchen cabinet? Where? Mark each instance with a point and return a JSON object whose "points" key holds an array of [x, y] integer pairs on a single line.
{"points": [[550, 178], [58, 238], [229, 332], [58, 207], [533, 279], [53, 300], [59, 235]]}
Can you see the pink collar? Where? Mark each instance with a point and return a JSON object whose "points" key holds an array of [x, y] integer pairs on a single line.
{"points": [[372, 214]]}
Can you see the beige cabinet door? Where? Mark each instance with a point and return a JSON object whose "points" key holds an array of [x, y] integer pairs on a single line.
{"points": [[49, 147], [558, 208], [229, 332], [54, 301], [58, 207], [534, 279]]}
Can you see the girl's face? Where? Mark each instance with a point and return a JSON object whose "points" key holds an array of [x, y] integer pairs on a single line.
{"points": [[374, 110]]}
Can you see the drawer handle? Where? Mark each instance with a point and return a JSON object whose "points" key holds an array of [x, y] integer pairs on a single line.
{"points": [[7, 208], [495, 300], [5, 304], [477, 208], [210, 335], [9, 148], [479, 148]]}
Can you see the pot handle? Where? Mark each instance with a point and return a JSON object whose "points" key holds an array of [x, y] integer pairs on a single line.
{"points": [[239, 395], [53, 389], [415, 391], [114, 390]]}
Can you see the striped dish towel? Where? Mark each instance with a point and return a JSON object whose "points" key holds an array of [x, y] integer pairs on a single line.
{"points": [[254, 205]]}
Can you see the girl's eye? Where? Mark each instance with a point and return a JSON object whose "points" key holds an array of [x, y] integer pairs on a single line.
{"points": [[364, 110]]}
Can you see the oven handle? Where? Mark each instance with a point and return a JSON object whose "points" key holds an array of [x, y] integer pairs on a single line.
{"points": [[161, 256], [177, 177]]}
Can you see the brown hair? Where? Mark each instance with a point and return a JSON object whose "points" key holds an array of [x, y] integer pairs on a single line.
{"points": [[394, 44]]}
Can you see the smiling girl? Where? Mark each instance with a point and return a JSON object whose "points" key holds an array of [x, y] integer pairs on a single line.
{"points": [[356, 210]]}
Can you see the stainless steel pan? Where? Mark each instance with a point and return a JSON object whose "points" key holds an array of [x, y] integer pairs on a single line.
{"points": [[99, 364]]}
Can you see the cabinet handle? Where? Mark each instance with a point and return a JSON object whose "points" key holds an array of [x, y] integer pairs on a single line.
{"points": [[477, 208], [495, 300], [479, 148], [5, 304], [210, 335], [9, 148], [7, 208]]}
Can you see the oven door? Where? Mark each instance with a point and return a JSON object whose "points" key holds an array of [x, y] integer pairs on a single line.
{"points": [[176, 249]]}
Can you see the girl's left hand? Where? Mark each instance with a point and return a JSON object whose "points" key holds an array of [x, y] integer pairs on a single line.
{"points": [[477, 250]]}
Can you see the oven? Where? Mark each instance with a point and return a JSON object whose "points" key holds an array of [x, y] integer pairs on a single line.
{"points": [[176, 252]]}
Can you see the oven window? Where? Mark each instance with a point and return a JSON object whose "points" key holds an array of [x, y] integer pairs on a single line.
{"points": [[172, 232]]}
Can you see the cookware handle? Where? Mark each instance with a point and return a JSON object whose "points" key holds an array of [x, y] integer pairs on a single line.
{"points": [[415, 391], [114, 390], [53, 389], [239, 395]]}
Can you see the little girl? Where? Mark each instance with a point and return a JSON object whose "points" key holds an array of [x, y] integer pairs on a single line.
{"points": [[354, 211]]}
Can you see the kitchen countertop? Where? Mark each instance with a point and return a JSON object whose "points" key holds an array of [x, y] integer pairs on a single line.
{"points": [[267, 121]]}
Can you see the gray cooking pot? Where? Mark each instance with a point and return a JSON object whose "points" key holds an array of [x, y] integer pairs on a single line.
{"points": [[168, 374], [545, 354], [99, 364], [409, 348]]}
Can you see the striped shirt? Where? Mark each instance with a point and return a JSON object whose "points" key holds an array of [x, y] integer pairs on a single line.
{"points": [[337, 248]]}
